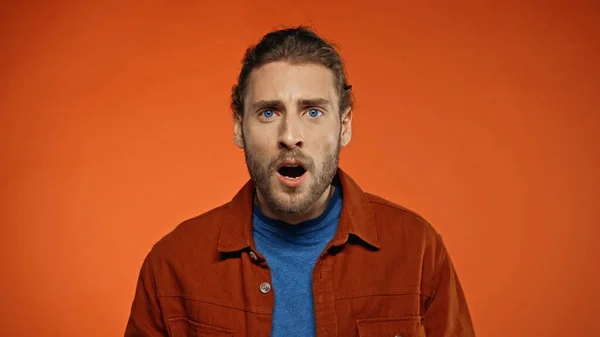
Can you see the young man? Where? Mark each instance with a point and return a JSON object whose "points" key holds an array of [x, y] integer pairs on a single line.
{"points": [[301, 250]]}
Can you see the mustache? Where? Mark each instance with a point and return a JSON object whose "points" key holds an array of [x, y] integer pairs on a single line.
{"points": [[305, 160]]}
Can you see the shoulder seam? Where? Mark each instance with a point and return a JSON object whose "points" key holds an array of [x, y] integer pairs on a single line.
{"points": [[396, 206], [207, 213], [199, 217], [374, 199]]}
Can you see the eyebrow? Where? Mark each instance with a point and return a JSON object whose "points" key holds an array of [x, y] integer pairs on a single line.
{"points": [[277, 104], [264, 104], [314, 102]]}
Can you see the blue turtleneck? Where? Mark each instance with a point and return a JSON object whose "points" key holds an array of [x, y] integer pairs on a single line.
{"points": [[291, 252]]}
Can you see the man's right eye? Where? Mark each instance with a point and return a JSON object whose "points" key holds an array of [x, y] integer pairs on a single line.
{"points": [[268, 113]]}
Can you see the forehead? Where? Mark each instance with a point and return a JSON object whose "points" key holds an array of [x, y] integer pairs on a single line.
{"points": [[289, 82]]}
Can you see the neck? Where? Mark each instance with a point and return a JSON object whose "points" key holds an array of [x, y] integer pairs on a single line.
{"points": [[314, 211]]}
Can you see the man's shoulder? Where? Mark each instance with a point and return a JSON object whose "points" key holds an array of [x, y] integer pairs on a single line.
{"points": [[395, 218], [193, 234]]}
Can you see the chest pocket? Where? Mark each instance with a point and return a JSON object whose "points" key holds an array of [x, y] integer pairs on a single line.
{"points": [[390, 327], [183, 327]]}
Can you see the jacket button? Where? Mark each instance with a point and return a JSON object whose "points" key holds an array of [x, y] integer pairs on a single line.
{"points": [[265, 287], [253, 256]]}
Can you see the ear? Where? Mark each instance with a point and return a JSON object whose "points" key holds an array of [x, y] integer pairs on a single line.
{"points": [[346, 120], [238, 135]]}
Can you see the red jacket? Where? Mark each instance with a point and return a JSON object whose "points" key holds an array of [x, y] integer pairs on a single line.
{"points": [[385, 273]]}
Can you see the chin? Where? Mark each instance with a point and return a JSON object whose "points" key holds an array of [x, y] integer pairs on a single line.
{"points": [[289, 200]]}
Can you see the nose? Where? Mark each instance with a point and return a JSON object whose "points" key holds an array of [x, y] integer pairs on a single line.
{"points": [[291, 133]]}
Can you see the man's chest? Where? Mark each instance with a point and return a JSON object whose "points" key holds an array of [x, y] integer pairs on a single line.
{"points": [[355, 292]]}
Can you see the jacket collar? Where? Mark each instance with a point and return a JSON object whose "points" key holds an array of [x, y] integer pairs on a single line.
{"points": [[356, 218]]}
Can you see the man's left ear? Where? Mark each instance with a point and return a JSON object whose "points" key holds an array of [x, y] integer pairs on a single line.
{"points": [[346, 120]]}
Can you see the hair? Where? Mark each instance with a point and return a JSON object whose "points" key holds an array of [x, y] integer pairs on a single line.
{"points": [[294, 45]]}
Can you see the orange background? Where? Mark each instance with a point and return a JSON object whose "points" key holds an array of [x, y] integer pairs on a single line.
{"points": [[484, 118]]}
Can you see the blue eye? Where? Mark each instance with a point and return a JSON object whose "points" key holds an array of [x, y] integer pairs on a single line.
{"points": [[268, 113], [314, 112]]}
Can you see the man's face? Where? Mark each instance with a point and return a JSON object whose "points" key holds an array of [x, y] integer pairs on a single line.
{"points": [[291, 134]]}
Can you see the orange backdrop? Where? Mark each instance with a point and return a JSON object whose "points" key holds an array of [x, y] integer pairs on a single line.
{"points": [[482, 117]]}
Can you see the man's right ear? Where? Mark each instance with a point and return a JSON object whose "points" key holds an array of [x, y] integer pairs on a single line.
{"points": [[238, 135]]}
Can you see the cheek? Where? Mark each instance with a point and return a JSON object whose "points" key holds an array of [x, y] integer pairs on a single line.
{"points": [[255, 138], [330, 141], [324, 147], [259, 146]]}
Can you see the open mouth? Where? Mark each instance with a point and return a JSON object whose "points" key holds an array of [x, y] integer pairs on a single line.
{"points": [[291, 171]]}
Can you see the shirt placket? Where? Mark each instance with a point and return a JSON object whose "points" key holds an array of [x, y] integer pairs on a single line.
{"points": [[324, 301], [259, 293]]}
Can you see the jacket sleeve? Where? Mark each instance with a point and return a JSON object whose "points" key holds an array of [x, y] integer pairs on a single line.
{"points": [[446, 312], [145, 319]]}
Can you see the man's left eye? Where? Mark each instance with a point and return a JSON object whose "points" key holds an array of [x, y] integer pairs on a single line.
{"points": [[314, 112]]}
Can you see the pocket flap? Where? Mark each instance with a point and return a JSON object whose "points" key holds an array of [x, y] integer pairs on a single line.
{"points": [[184, 327], [391, 326]]}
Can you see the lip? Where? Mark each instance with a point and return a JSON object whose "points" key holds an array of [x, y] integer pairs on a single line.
{"points": [[291, 162], [291, 182]]}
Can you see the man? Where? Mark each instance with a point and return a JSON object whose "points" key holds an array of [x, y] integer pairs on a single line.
{"points": [[301, 250]]}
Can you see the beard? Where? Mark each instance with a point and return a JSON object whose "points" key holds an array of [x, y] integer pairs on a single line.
{"points": [[292, 201]]}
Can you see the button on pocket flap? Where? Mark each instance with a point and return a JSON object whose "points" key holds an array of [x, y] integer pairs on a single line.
{"points": [[390, 327], [184, 327]]}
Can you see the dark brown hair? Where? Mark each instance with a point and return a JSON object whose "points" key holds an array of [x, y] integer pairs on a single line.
{"points": [[295, 45]]}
